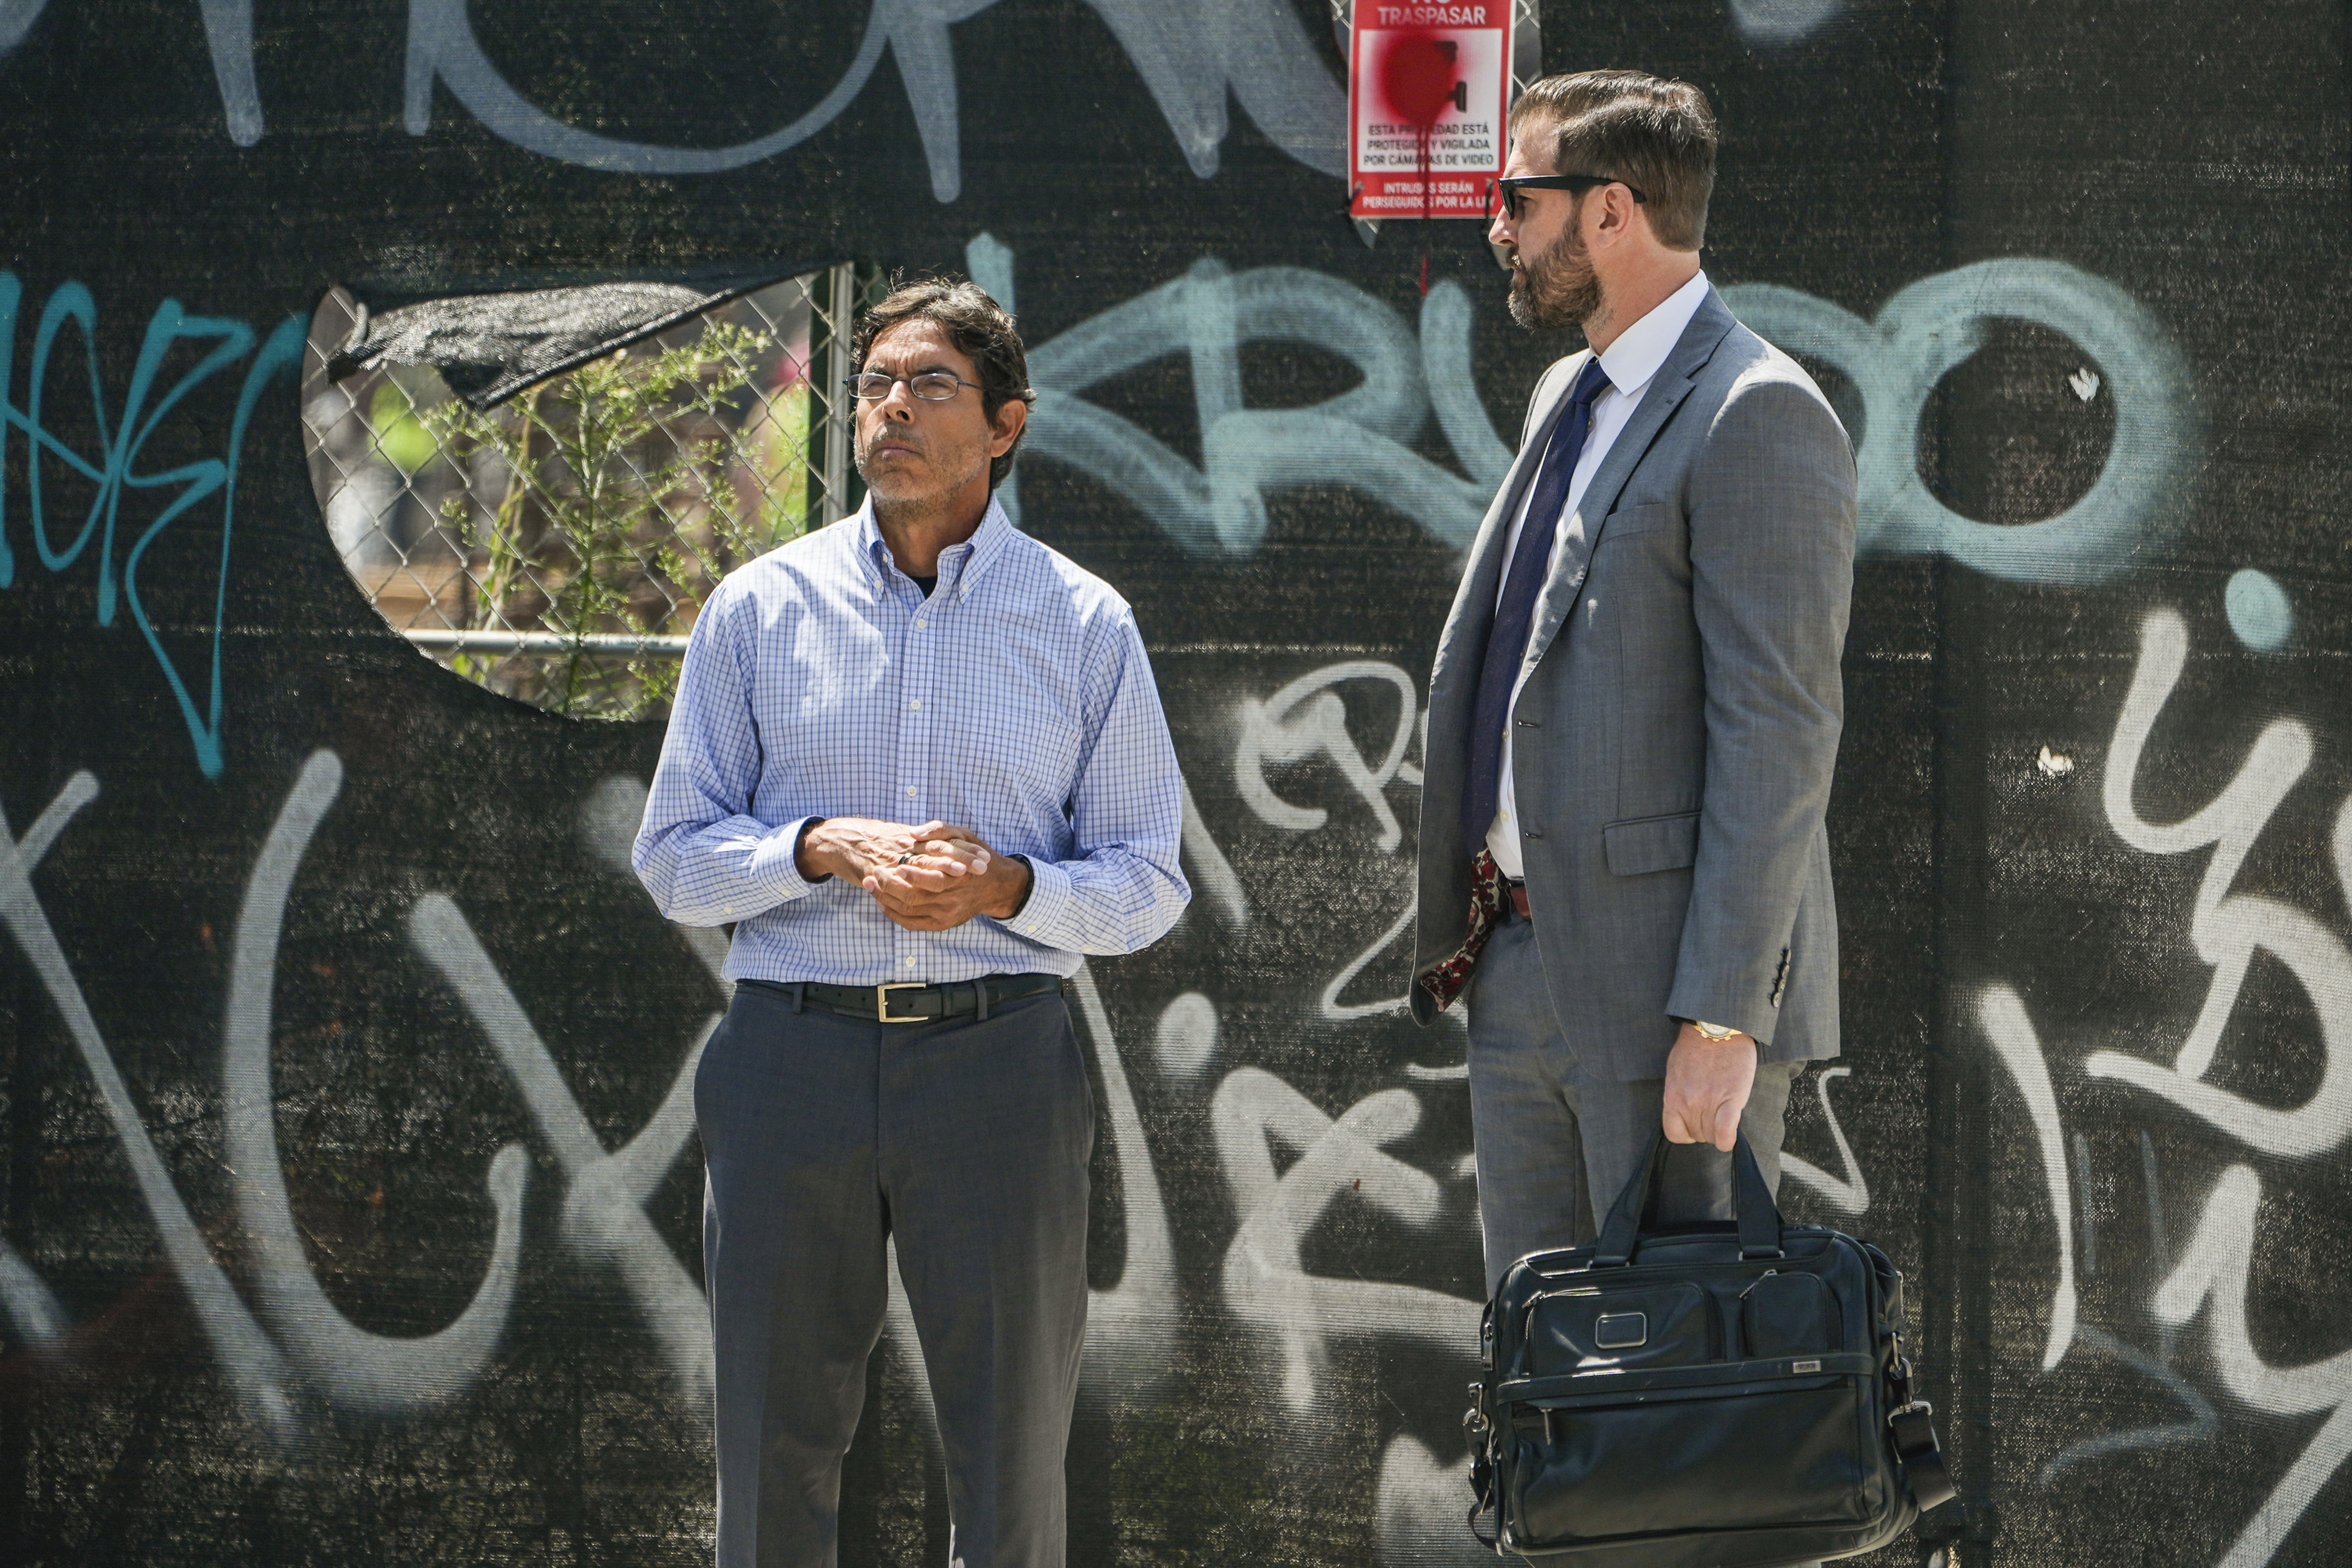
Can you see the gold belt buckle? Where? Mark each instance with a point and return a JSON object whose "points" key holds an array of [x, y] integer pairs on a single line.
{"points": [[882, 1001]]}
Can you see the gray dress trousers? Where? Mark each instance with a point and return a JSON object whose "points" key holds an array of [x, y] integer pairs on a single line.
{"points": [[965, 1140], [1558, 1137]]}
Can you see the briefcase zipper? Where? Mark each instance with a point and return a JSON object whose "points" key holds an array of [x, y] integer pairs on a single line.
{"points": [[1608, 1386], [1528, 1325], [1528, 1322]]}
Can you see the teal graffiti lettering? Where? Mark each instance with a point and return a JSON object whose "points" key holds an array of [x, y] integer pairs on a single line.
{"points": [[114, 468]]}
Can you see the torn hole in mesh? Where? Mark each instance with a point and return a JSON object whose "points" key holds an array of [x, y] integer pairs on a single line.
{"points": [[539, 489]]}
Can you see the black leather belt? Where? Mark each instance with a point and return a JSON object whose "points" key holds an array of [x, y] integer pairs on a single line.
{"points": [[911, 1001]]}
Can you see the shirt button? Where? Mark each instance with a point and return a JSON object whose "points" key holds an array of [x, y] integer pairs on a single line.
{"points": [[922, 621], [909, 961], [917, 704], [910, 792]]}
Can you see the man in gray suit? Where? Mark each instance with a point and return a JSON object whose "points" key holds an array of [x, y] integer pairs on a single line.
{"points": [[1635, 707]]}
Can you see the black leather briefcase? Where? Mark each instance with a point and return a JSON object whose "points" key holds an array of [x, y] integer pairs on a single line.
{"points": [[1714, 1396]]}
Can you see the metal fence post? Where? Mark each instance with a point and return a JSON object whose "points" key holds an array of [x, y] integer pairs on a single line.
{"points": [[841, 302]]}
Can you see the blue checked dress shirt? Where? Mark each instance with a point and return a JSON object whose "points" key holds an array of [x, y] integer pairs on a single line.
{"points": [[1016, 700]]}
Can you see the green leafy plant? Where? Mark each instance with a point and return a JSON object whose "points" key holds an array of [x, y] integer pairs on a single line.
{"points": [[619, 509], [403, 439]]}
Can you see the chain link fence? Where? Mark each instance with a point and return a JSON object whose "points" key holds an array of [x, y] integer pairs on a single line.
{"points": [[553, 538]]}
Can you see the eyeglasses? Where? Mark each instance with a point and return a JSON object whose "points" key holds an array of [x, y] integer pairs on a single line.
{"points": [[1512, 188], [931, 387]]}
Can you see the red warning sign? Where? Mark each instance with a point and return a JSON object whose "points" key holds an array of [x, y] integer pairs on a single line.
{"points": [[1428, 89]]}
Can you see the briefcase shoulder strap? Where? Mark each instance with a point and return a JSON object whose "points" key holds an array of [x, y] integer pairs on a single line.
{"points": [[1478, 1427]]}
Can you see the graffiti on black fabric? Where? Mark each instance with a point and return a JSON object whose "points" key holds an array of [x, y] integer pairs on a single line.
{"points": [[2212, 1274], [1780, 21], [290, 1353], [1934, 324], [1307, 718], [291, 1350], [1288, 1163], [256, 1366], [114, 468], [1191, 55], [1361, 438]]}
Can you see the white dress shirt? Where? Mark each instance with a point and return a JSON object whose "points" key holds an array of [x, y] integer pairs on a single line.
{"points": [[1631, 363]]}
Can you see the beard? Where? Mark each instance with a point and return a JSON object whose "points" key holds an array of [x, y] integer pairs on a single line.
{"points": [[1556, 288]]}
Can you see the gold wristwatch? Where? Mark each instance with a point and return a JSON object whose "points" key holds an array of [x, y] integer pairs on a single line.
{"points": [[1713, 1031]]}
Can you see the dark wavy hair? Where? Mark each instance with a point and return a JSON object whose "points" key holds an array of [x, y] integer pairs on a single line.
{"points": [[981, 329], [1657, 136]]}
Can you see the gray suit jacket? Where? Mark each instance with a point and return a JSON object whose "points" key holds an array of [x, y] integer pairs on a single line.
{"points": [[1672, 750]]}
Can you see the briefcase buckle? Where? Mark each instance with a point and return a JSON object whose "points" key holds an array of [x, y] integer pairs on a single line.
{"points": [[1913, 1429], [882, 1002]]}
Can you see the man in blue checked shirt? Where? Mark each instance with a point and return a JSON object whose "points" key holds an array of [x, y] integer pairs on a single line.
{"points": [[918, 759]]}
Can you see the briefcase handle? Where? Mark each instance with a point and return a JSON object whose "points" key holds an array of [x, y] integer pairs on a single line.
{"points": [[1637, 1206]]}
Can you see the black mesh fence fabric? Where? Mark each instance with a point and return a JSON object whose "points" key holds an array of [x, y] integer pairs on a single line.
{"points": [[489, 347], [349, 1196]]}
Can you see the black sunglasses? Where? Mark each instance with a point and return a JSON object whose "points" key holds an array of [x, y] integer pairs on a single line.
{"points": [[1512, 188]]}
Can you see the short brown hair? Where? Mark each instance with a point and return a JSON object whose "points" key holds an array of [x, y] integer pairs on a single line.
{"points": [[981, 329], [1657, 136]]}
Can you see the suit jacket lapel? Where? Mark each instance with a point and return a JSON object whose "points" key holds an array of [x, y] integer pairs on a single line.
{"points": [[1581, 532]]}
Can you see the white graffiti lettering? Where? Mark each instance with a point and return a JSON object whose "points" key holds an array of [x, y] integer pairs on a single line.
{"points": [[2214, 1274], [1192, 54], [604, 1222], [1264, 1282], [380, 1373], [2214, 1277], [2229, 928], [1306, 719], [298, 1346], [1849, 1196], [256, 1367]]}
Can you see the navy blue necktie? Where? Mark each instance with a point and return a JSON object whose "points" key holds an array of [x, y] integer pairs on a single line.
{"points": [[1507, 642]]}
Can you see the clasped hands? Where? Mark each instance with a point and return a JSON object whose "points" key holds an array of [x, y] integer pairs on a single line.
{"points": [[934, 877]]}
